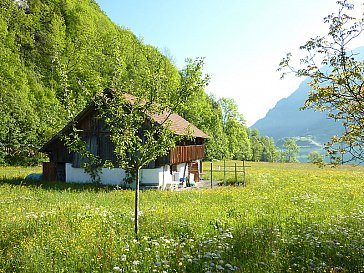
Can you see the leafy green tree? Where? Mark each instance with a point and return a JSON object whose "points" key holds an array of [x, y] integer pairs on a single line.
{"points": [[256, 145], [315, 158], [269, 149], [291, 149], [217, 144], [235, 130], [18, 117], [336, 80], [279, 156], [139, 139]]}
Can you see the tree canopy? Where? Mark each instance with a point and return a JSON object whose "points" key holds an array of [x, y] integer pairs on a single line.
{"points": [[291, 149]]}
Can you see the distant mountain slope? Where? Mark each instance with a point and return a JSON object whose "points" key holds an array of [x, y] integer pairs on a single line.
{"points": [[311, 129]]}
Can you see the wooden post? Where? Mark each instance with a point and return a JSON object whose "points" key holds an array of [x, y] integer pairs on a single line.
{"points": [[244, 173], [211, 174], [236, 176], [188, 175], [162, 178], [136, 215], [224, 173]]}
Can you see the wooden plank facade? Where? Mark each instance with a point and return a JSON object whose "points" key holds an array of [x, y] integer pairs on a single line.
{"points": [[194, 169], [53, 171], [188, 153]]}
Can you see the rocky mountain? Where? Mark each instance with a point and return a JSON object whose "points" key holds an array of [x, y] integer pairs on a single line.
{"points": [[311, 129]]}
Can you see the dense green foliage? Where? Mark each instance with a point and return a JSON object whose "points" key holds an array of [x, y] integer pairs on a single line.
{"points": [[315, 157], [56, 55], [291, 149], [289, 218]]}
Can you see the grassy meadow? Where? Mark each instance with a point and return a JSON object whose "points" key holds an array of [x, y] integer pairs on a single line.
{"points": [[289, 218]]}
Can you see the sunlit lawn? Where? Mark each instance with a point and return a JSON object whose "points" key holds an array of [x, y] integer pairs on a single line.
{"points": [[18, 172], [289, 218]]}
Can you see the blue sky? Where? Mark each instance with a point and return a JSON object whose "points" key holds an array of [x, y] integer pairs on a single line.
{"points": [[242, 40]]}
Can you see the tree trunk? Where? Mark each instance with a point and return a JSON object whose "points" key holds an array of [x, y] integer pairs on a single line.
{"points": [[136, 220]]}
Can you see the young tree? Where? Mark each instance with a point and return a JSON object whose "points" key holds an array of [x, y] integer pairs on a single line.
{"points": [[337, 80], [139, 124], [138, 138], [291, 149]]}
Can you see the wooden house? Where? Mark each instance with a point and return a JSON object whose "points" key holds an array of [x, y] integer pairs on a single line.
{"points": [[183, 163]]}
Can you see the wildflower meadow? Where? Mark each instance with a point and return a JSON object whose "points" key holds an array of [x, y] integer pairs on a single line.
{"points": [[289, 218]]}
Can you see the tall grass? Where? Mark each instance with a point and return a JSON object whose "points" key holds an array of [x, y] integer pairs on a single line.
{"points": [[17, 172], [289, 218]]}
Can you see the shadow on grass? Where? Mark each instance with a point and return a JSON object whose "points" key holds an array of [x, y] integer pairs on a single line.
{"points": [[57, 185]]}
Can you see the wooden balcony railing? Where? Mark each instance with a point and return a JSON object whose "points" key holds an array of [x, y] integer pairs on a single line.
{"points": [[182, 154]]}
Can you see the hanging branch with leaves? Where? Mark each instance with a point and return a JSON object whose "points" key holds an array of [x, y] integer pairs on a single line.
{"points": [[337, 81]]}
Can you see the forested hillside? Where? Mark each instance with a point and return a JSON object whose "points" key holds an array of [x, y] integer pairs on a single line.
{"points": [[56, 54]]}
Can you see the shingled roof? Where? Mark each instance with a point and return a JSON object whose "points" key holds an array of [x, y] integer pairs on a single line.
{"points": [[178, 124]]}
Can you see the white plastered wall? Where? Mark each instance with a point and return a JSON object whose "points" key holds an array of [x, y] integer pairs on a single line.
{"points": [[150, 177], [113, 176]]}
